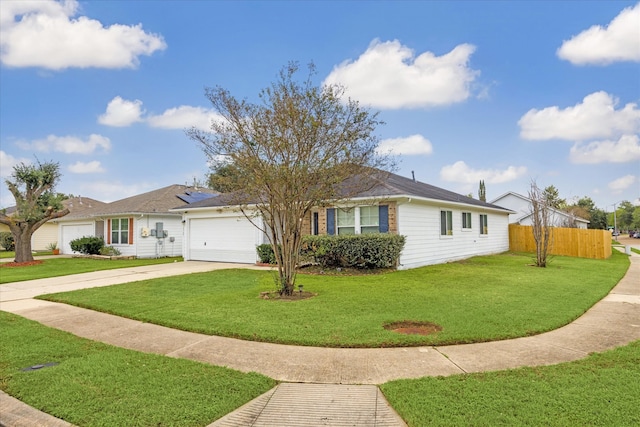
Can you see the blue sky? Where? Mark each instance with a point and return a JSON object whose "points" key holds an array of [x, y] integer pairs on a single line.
{"points": [[507, 92]]}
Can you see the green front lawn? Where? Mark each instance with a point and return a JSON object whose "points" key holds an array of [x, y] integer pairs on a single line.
{"points": [[99, 385], [7, 254], [480, 299], [64, 266], [96, 384], [601, 390]]}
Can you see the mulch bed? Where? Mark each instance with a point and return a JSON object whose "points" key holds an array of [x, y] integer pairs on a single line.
{"points": [[342, 271], [296, 296], [20, 264]]}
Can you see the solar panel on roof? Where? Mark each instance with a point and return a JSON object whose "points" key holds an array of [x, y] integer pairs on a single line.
{"points": [[192, 197]]}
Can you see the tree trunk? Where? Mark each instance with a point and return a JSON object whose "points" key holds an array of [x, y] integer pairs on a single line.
{"points": [[23, 246]]}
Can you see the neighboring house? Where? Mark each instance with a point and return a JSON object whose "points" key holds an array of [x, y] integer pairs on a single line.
{"points": [[522, 215], [140, 225], [48, 233], [439, 225]]}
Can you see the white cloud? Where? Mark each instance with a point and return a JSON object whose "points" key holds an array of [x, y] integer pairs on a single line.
{"points": [[121, 112], [108, 191], [460, 172], [68, 144], [47, 34], [411, 145], [619, 41], [626, 149], [388, 75], [86, 167], [7, 162], [621, 184], [595, 117], [183, 117]]}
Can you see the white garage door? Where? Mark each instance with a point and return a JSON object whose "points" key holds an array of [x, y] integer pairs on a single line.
{"points": [[230, 239], [74, 231]]}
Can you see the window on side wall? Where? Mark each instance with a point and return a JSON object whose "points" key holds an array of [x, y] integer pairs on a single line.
{"points": [[358, 220], [466, 220], [446, 223], [346, 221], [369, 219], [120, 231], [484, 229]]}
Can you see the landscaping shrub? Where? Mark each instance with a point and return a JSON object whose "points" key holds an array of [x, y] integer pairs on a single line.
{"points": [[265, 253], [357, 250], [87, 245], [109, 251], [6, 241]]}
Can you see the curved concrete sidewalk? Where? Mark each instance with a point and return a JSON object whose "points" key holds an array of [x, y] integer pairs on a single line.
{"points": [[612, 322]]}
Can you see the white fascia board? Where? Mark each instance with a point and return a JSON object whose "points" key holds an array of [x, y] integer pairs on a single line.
{"points": [[185, 210], [440, 202]]}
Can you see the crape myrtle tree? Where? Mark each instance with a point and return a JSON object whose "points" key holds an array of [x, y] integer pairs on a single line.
{"points": [[302, 146], [32, 187], [541, 222]]}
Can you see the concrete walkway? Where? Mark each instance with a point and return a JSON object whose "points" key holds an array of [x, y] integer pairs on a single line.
{"points": [[327, 372]]}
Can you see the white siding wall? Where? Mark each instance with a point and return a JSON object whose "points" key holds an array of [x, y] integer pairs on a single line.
{"points": [[520, 206], [151, 246], [45, 235], [420, 223]]}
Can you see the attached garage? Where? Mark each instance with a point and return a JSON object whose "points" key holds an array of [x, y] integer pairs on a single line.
{"points": [[222, 239], [69, 232]]}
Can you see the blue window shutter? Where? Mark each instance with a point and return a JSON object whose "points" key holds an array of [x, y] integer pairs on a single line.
{"points": [[331, 221], [383, 218]]}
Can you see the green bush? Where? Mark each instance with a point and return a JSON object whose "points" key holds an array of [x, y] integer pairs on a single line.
{"points": [[357, 250], [109, 251], [6, 241], [87, 245], [265, 253]]}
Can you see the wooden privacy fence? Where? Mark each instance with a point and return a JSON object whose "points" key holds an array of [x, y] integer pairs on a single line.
{"points": [[564, 241]]}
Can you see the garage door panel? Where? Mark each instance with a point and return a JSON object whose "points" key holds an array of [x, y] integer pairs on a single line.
{"points": [[72, 232], [229, 239]]}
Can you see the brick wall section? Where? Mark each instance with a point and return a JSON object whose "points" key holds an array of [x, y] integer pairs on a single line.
{"points": [[306, 224], [322, 221], [393, 217]]}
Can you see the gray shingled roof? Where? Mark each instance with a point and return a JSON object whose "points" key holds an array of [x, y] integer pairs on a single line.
{"points": [[396, 185], [79, 206], [156, 201], [391, 185]]}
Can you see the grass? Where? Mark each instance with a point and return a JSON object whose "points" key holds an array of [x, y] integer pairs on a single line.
{"points": [[601, 390], [480, 299], [12, 254], [64, 266], [96, 384]]}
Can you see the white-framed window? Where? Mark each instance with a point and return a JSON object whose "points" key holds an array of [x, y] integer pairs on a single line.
{"points": [[466, 220], [346, 221], [358, 220], [446, 223], [484, 228], [120, 231], [369, 219]]}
